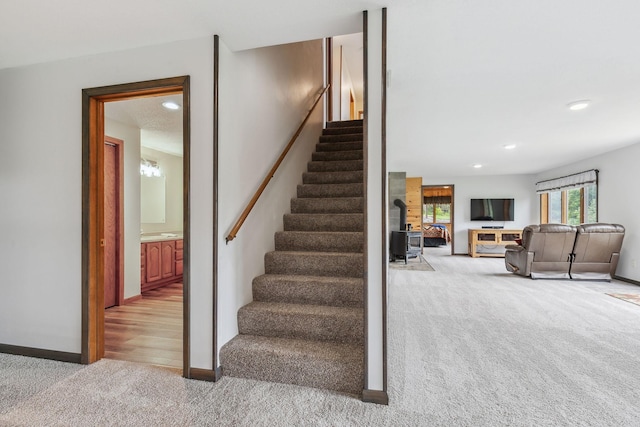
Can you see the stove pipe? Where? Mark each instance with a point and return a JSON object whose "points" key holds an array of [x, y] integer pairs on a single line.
{"points": [[403, 213]]}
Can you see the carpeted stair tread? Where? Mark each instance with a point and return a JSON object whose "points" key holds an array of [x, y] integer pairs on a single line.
{"points": [[333, 156], [302, 321], [335, 166], [330, 139], [331, 366], [319, 241], [331, 190], [328, 205], [341, 264], [319, 290], [324, 222], [340, 177], [340, 146], [346, 123], [342, 130]]}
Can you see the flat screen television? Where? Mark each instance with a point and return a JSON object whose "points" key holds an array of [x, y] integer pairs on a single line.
{"points": [[492, 209]]}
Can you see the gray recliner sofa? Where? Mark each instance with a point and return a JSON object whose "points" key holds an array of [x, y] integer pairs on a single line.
{"points": [[558, 251], [545, 252]]}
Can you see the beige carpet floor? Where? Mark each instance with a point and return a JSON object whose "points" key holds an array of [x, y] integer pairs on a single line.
{"points": [[469, 345]]}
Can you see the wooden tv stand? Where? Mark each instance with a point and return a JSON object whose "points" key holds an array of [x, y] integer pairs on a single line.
{"points": [[491, 236]]}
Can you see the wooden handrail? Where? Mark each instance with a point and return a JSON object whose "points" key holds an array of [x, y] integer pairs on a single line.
{"points": [[271, 173]]}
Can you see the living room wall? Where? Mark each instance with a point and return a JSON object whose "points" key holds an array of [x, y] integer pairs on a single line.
{"points": [[41, 187], [617, 202], [519, 187]]}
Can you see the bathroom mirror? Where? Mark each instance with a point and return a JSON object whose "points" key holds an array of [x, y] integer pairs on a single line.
{"points": [[152, 199]]}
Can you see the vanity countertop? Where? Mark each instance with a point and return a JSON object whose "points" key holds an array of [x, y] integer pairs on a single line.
{"points": [[160, 237]]}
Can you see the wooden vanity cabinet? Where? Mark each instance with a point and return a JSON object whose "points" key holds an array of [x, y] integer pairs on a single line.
{"points": [[168, 264], [160, 263], [143, 263], [179, 254]]}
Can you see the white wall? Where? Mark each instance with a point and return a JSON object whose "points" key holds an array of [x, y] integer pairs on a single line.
{"points": [[171, 167], [41, 187], [376, 247], [265, 93], [519, 187], [336, 78], [618, 202], [346, 89], [131, 137]]}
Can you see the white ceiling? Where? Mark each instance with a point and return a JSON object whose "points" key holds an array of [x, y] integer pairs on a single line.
{"points": [[466, 77], [161, 129]]}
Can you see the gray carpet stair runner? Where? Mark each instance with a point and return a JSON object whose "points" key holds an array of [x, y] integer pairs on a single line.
{"points": [[305, 325]]}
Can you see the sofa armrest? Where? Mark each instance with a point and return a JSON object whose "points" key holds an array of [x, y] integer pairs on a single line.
{"points": [[518, 259], [515, 248]]}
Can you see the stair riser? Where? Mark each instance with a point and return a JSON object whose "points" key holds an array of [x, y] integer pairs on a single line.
{"points": [[314, 264], [319, 242], [287, 289], [339, 205], [341, 329], [342, 130], [339, 146], [331, 156], [345, 124], [332, 177], [323, 222], [330, 190], [331, 139], [343, 375], [335, 166]]}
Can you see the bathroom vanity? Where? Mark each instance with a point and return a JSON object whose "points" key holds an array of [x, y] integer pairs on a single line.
{"points": [[160, 261]]}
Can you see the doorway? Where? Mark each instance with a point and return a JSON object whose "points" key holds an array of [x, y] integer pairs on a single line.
{"points": [[437, 216], [113, 222], [93, 207]]}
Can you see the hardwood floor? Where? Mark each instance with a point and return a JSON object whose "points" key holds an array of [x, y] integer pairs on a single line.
{"points": [[148, 330]]}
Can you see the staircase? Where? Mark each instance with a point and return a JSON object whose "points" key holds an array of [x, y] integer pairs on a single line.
{"points": [[305, 325]]}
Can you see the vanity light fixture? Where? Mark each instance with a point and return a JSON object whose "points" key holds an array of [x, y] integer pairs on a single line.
{"points": [[509, 146], [477, 166], [578, 105], [170, 105], [149, 168]]}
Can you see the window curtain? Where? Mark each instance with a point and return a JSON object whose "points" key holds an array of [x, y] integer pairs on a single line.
{"points": [[437, 200], [577, 180]]}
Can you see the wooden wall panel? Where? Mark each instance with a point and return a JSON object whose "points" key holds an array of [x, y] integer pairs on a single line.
{"points": [[414, 202]]}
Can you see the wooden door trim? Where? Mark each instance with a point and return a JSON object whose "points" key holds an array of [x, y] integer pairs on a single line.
{"points": [[119, 144], [93, 99]]}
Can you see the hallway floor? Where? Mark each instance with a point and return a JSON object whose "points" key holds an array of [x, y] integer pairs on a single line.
{"points": [[148, 330]]}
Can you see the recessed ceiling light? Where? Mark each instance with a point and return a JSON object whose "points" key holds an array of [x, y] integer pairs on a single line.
{"points": [[170, 105], [509, 146], [477, 166], [578, 105]]}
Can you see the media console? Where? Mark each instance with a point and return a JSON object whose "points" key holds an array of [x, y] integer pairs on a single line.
{"points": [[493, 237]]}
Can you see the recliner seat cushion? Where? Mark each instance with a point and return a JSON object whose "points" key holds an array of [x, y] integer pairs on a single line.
{"points": [[597, 250]]}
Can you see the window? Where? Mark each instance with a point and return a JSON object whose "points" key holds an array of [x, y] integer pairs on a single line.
{"points": [[439, 213], [573, 206], [555, 207], [571, 199]]}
